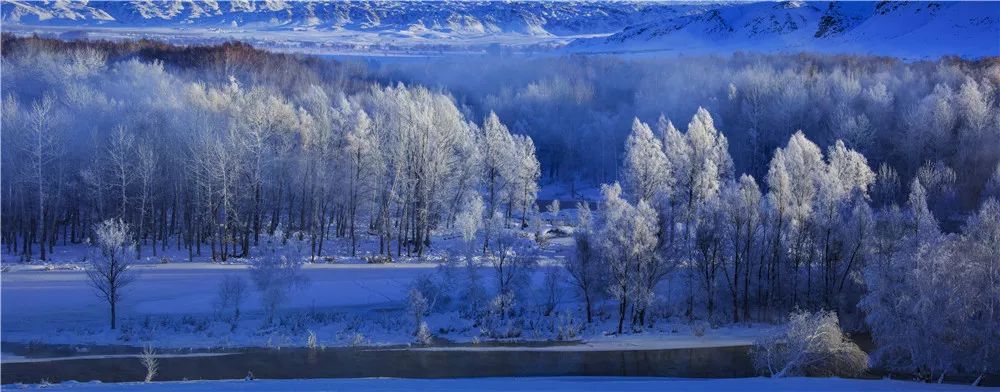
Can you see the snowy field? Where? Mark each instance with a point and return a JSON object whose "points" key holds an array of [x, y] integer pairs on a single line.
{"points": [[519, 384], [60, 303], [171, 306], [345, 302]]}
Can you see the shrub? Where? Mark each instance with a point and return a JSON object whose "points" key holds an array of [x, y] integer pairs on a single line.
{"points": [[551, 290], [699, 328], [502, 320], [232, 291], [472, 295], [275, 277], [812, 345], [418, 308], [423, 335], [149, 361], [377, 259], [358, 340], [311, 340], [567, 328]]}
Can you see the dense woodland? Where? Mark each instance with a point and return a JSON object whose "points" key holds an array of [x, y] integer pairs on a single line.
{"points": [[940, 114], [799, 182], [211, 165]]}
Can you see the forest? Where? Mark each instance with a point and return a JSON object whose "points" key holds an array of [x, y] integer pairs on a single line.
{"points": [[759, 184]]}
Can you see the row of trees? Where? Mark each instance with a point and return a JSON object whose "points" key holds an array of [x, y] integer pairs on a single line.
{"points": [[826, 234], [210, 167], [902, 113]]}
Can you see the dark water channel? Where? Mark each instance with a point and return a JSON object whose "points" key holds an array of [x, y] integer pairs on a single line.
{"points": [[388, 362]]}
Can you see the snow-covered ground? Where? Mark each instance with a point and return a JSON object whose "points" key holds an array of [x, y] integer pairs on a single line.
{"points": [[633, 384], [171, 305], [346, 302]]}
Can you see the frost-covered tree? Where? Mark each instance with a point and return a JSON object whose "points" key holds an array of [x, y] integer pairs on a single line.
{"points": [[646, 173], [993, 185], [146, 167], [627, 239], [511, 258], [741, 204], [229, 298], [497, 146], [700, 162], [887, 188], [43, 146], [469, 219], [847, 178], [274, 277], [109, 269], [585, 266], [980, 246], [811, 345], [418, 307], [553, 210], [526, 170], [923, 226], [794, 177]]}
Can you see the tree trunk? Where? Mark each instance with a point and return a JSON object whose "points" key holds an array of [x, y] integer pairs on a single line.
{"points": [[622, 307], [112, 302]]}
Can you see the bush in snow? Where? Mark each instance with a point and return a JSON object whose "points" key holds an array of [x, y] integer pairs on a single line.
{"points": [[423, 335], [699, 328], [377, 259], [149, 361], [541, 234], [232, 292], [435, 287], [553, 209], [418, 307], [566, 327], [812, 345], [357, 340], [503, 319], [311, 341], [274, 278], [512, 259], [472, 294], [551, 290]]}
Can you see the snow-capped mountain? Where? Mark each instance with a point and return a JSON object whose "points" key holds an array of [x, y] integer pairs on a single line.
{"points": [[910, 29], [458, 17]]}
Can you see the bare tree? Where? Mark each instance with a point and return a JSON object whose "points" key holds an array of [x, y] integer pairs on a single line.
{"points": [[511, 259], [120, 165], [110, 270], [275, 277], [147, 167], [41, 145], [232, 291], [584, 266]]}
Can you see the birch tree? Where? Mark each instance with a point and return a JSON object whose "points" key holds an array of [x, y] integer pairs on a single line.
{"points": [[110, 268]]}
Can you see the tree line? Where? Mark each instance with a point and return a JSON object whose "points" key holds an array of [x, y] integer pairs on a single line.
{"points": [[823, 231], [902, 113], [211, 166]]}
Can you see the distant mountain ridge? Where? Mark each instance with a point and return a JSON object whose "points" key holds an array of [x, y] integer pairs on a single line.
{"points": [[903, 28], [527, 17], [914, 29]]}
